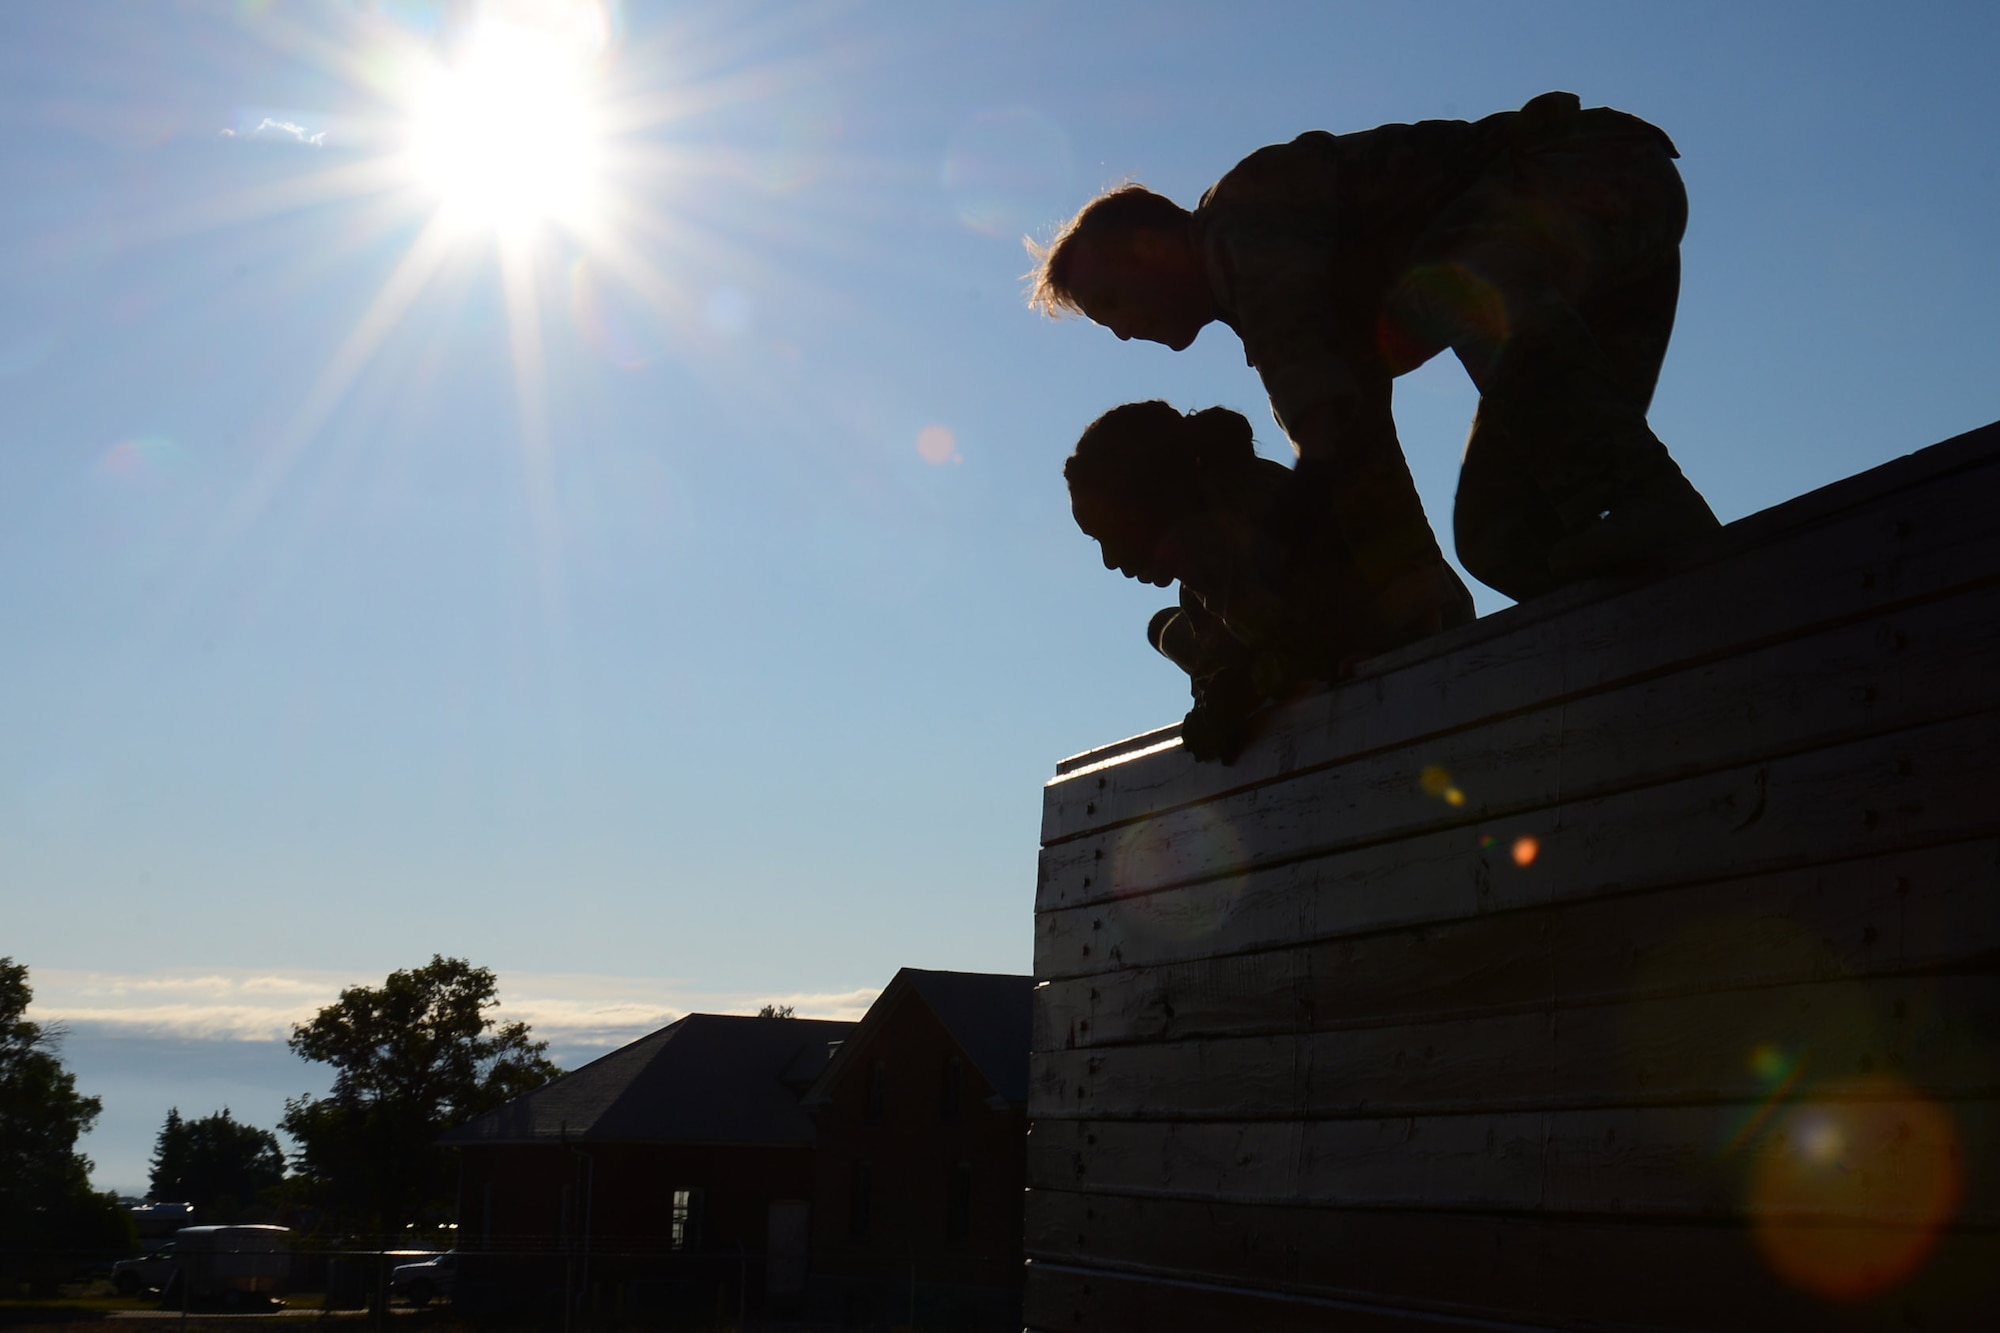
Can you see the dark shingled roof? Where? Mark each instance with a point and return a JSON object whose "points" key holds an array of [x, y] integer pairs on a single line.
{"points": [[710, 1078], [989, 1014]]}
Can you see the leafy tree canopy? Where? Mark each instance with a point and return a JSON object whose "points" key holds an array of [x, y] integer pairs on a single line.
{"points": [[217, 1163], [414, 1057], [46, 1203], [776, 1011]]}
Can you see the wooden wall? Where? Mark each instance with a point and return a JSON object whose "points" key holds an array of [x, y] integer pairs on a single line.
{"points": [[1321, 1045]]}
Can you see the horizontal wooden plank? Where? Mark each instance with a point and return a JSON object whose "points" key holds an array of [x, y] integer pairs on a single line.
{"points": [[1131, 745], [1930, 909], [1729, 1046], [1866, 798], [1065, 1297], [1667, 1162], [1102, 1262], [1867, 678], [1904, 549]]}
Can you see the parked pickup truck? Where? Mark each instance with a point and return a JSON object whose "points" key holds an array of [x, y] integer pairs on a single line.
{"points": [[422, 1282]]}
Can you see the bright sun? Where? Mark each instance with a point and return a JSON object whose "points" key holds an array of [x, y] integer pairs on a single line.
{"points": [[507, 135]]}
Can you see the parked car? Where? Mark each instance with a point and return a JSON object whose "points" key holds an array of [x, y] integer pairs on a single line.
{"points": [[148, 1272], [426, 1280]]}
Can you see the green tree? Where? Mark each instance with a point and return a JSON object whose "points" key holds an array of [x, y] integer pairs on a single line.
{"points": [[413, 1057], [217, 1163], [46, 1203]]}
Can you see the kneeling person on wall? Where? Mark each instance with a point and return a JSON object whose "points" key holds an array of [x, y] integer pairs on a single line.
{"points": [[1542, 246], [1271, 606]]}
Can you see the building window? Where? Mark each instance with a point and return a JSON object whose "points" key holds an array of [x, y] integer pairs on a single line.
{"points": [[948, 1089], [878, 1078], [958, 1203], [684, 1224], [859, 1185]]}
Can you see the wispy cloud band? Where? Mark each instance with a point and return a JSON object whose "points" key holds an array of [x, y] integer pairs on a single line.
{"points": [[263, 1004]]}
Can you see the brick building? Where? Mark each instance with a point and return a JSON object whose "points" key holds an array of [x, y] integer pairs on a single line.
{"points": [[920, 1159], [727, 1167], [671, 1177]]}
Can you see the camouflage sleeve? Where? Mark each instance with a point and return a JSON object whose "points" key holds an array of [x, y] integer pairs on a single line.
{"points": [[1267, 234]]}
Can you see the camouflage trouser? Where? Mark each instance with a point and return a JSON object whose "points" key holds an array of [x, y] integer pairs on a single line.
{"points": [[1558, 273]]}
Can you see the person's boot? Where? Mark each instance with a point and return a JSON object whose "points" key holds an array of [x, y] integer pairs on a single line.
{"points": [[1641, 521]]}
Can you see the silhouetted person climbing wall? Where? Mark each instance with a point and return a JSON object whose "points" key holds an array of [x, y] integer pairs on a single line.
{"points": [[1540, 245], [1271, 602]]}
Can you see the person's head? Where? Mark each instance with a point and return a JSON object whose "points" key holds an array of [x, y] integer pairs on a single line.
{"points": [[1142, 470], [1126, 262]]}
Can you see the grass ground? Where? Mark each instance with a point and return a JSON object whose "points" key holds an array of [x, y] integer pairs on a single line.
{"points": [[92, 1305]]}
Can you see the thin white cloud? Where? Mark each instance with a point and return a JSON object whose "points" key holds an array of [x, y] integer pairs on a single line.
{"points": [[263, 1004], [270, 127]]}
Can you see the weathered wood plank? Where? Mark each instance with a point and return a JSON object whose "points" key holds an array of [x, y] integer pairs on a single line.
{"points": [[1727, 1046], [1935, 908], [1669, 1162], [1902, 549], [1865, 798], [1064, 1297], [1872, 677], [1102, 1262]]}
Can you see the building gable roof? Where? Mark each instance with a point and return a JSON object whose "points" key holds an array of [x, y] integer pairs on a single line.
{"points": [[989, 1014], [709, 1078]]}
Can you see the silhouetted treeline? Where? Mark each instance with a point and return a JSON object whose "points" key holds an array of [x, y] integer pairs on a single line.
{"points": [[47, 1207], [228, 1170]]}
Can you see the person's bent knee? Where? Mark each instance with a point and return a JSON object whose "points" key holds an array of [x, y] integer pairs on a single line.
{"points": [[1502, 564]]}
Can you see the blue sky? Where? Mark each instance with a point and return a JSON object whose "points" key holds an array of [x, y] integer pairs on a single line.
{"points": [[694, 621]]}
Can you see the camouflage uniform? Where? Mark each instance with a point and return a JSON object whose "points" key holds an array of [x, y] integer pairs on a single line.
{"points": [[1271, 604], [1540, 245]]}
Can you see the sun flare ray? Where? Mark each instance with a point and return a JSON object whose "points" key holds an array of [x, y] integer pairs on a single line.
{"points": [[530, 367], [390, 305]]}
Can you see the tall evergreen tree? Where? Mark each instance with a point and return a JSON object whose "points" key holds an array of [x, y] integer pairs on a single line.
{"points": [[217, 1163], [413, 1057]]}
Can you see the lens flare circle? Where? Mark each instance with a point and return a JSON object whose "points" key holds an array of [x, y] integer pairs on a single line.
{"points": [[1152, 854], [1435, 306], [1853, 1186], [507, 136], [1436, 781], [1008, 170], [141, 460], [936, 445]]}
